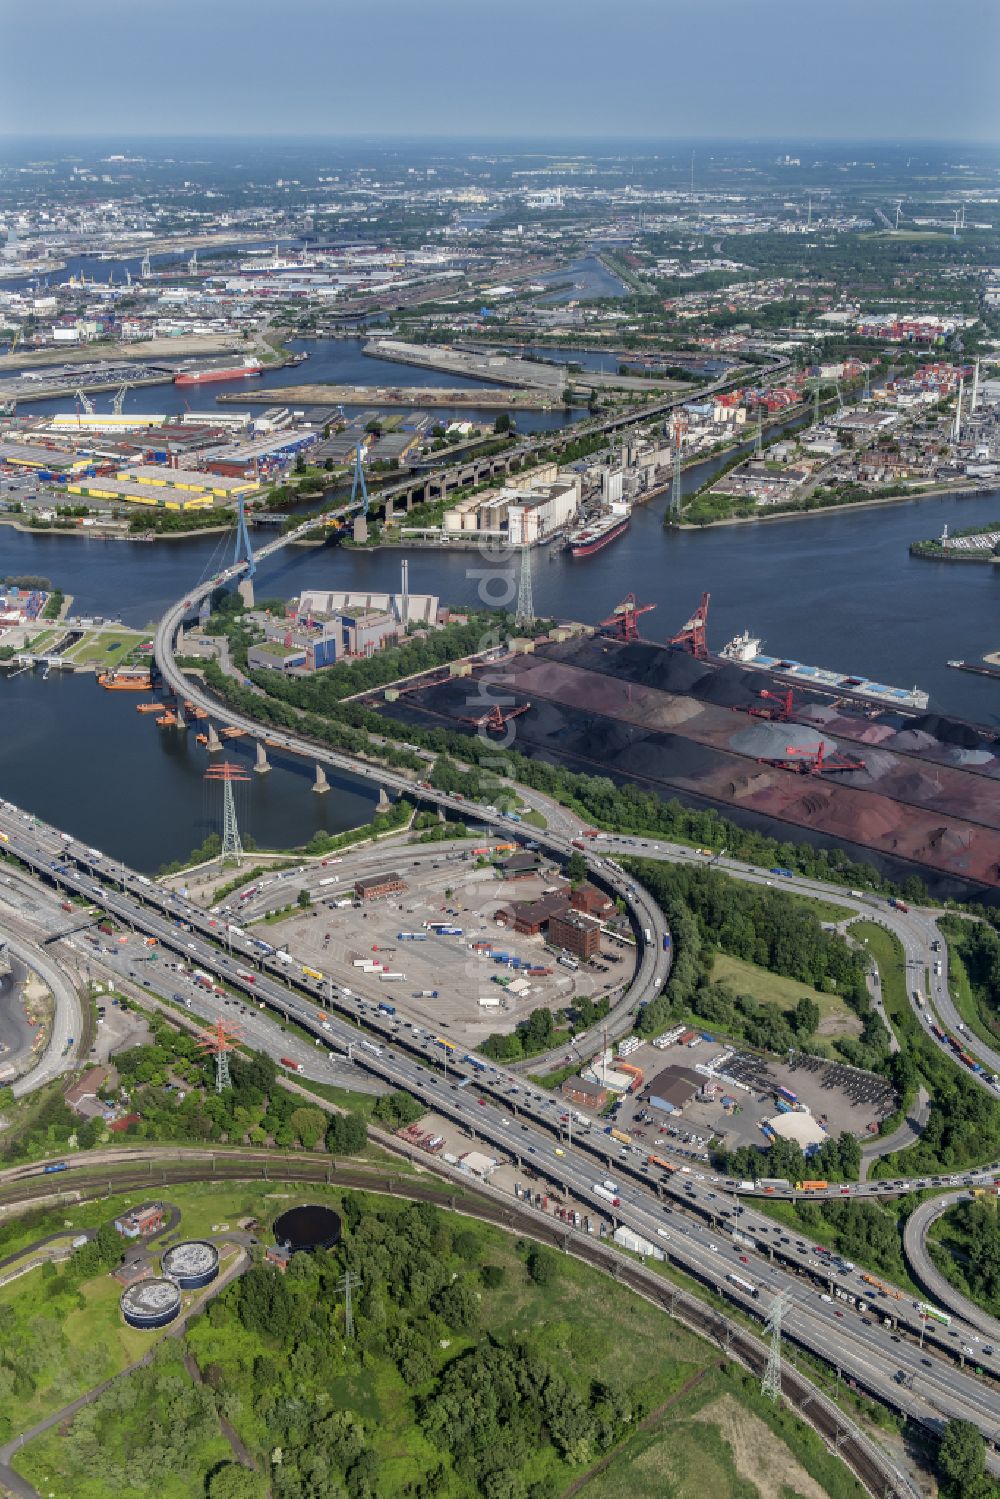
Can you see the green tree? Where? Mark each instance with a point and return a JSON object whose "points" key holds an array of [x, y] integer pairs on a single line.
{"points": [[576, 867], [308, 1125], [233, 1481], [805, 1017], [304, 899], [961, 1460]]}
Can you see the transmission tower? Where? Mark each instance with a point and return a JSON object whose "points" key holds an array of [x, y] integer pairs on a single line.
{"points": [[758, 445], [227, 773], [219, 1042], [771, 1383], [525, 614], [347, 1284], [675, 488], [816, 403]]}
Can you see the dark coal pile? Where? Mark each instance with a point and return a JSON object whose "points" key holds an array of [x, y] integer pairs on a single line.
{"points": [[948, 731]]}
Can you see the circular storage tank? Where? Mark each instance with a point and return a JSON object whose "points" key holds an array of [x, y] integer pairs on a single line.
{"points": [[151, 1303], [190, 1265], [308, 1228]]}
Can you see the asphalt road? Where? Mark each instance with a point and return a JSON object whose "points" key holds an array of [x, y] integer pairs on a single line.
{"points": [[929, 1276], [690, 1223]]}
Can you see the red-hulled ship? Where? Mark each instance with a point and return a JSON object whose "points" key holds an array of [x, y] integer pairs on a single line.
{"points": [[598, 534], [211, 372]]}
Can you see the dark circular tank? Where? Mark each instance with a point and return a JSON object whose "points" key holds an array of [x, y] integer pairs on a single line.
{"points": [[307, 1228]]}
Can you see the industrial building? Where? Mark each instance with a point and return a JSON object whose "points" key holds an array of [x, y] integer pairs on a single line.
{"points": [[581, 1090], [577, 934], [217, 485], [542, 502], [150, 1303], [127, 493], [191, 1264], [378, 886], [139, 1223], [672, 1090], [405, 607]]}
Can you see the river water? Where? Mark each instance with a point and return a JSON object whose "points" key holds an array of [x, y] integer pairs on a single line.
{"points": [[838, 590]]}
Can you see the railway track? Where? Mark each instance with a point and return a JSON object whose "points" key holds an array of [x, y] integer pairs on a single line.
{"points": [[872, 1467]]}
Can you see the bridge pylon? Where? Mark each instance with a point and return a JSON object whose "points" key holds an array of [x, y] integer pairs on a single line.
{"points": [[243, 552]]}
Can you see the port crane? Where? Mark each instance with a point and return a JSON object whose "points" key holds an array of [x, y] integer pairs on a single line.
{"points": [[119, 400], [780, 713], [622, 621], [85, 402], [692, 635], [813, 762], [497, 719]]}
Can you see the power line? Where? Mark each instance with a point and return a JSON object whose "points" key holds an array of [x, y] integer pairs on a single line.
{"points": [[348, 1283], [227, 773]]}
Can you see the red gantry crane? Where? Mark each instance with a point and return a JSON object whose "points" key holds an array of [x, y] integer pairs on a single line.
{"points": [[622, 622], [780, 713], [692, 636], [813, 762], [497, 719]]}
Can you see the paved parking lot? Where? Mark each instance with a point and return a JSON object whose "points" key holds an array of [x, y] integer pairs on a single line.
{"points": [[333, 937], [840, 1098]]}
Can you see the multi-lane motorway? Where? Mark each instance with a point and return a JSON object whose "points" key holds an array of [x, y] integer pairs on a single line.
{"points": [[688, 1214]]}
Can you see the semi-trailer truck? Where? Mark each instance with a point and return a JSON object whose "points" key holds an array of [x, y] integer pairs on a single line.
{"points": [[292, 1066]]}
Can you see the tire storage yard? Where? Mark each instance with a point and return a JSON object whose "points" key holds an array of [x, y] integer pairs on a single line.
{"points": [[914, 793], [457, 937]]}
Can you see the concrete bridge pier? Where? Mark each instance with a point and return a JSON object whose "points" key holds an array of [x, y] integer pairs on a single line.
{"points": [[214, 742], [360, 528], [179, 715], [389, 513], [263, 764], [383, 804], [245, 590], [321, 784]]}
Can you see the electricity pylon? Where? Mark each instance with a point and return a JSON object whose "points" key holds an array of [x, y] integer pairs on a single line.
{"points": [[771, 1383], [347, 1284], [232, 848], [525, 614], [219, 1042]]}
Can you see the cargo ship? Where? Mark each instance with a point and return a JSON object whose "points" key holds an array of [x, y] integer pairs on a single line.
{"points": [[212, 372], [745, 650], [599, 534], [979, 668]]}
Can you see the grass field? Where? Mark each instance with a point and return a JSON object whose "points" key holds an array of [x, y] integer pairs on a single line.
{"points": [[709, 1432], [104, 647], [771, 989]]}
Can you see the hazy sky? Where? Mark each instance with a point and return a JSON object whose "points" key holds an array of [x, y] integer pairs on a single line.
{"points": [[836, 69]]}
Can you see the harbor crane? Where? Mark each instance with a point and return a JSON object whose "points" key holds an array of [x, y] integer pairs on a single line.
{"points": [[84, 402], [813, 762], [692, 635], [119, 399], [622, 621], [779, 713], [497, 719]]}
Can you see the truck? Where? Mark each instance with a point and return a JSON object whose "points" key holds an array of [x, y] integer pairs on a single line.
{"points": [[292, 1066], [621, 1137], [607, 1194], [488, 1002], [385, 1009], [786, 874], [425, 994], [898, 905]]}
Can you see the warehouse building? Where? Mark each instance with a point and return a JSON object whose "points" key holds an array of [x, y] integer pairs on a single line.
{"points": [[125, 492], [378, 886], [672, 1090], [157, 474], [579, 935], [581, 1090]]}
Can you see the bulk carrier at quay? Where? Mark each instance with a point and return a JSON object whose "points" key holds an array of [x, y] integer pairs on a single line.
{"points": [[599, 533], [745, 650], [207, 373]]}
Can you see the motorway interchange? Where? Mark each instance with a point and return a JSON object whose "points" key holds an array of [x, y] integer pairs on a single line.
{"points": [[889, 1348], [878, 1338]]}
